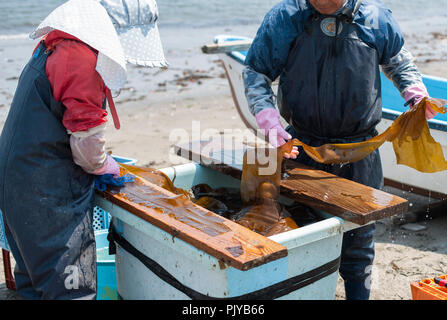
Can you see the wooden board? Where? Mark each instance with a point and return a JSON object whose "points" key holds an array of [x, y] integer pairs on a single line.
{"points": [[346, 199], [223, 239]]}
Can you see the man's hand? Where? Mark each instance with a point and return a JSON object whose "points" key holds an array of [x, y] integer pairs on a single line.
{"points": [[292, 155], [268, 120], [414, 96]]}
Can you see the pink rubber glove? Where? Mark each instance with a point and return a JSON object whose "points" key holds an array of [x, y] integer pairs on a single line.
{"points": [[110, 167], [418, 92], [268, 120]]}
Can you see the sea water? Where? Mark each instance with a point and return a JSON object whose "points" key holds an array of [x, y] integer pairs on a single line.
{"points": [[19, 17]]}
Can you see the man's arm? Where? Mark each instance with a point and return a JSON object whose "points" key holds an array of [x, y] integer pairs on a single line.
{"points": [[398, 63], [403, 72], [406, 77], [258, 90]]}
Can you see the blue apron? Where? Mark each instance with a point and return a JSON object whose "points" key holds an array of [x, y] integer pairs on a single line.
{"points": [[327, 98], [46, 199]]}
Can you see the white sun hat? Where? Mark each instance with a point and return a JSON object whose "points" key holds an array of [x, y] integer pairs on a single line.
{"points": [[121, 30], [135, 22]]}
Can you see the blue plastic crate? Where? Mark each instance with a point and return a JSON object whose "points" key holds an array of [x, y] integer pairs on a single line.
{"points": [[101, 219], [105, 268]]}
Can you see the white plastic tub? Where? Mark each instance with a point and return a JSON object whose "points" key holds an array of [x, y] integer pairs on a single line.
{"points": [[308, 247]]}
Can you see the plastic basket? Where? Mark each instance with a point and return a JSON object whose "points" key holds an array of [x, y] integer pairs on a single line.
{"points": [[101, 219], [427, 289]]}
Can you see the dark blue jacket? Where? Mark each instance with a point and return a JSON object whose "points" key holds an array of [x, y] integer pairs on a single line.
{"points": [[270, 52]]}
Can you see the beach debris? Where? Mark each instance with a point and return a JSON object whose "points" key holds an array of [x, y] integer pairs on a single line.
{"points": [[405, 218], [395, 266], [121, 101], [414, 227], [131, 89], [190, 76]]}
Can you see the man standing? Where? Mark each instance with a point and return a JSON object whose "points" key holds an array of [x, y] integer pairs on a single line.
{"points": [[328, 54]]}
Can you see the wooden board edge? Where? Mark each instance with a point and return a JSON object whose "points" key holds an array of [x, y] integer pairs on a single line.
{"points": [[399, 208]]}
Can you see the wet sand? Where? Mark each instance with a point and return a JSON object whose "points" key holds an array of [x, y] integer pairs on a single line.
{"points": [[156, 102]]}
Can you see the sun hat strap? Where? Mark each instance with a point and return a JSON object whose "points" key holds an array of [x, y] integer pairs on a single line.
{"points": [[116, 120], [53, 45]]}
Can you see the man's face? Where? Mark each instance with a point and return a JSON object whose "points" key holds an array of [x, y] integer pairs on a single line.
{"points": [[327, 6]]}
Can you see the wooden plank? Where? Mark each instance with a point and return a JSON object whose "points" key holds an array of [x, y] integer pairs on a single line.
{"points": [[230, 46], [346, 199], [223, 239]]}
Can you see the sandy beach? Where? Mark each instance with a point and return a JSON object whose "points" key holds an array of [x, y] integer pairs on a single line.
{"points": [[156, 102]]}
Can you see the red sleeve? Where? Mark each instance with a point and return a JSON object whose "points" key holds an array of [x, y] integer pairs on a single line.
{"points": [[76, 83]]}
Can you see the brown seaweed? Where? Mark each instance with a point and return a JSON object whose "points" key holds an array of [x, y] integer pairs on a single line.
{"points": [[266, 218], [214, 205], [175, 204], [156, 177], [260, 189], [410, 134]]}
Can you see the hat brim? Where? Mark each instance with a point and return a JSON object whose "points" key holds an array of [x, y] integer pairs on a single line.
{"points": [[142, 46], [89, 22]]}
